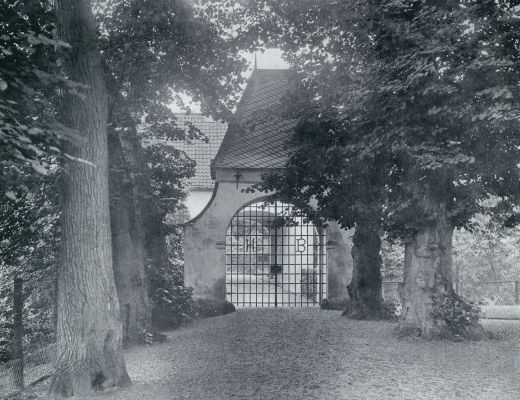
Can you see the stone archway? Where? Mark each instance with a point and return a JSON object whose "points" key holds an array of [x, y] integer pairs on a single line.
{"points": [[205, 240], [205, 244]]}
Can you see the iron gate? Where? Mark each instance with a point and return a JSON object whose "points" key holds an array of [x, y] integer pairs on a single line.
{"points": [[275, 257]]}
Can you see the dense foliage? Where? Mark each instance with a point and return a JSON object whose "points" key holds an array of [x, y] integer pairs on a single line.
{"points": [[407, 118], [29, 238], [30, 83], [173, 303], [392, 252], [395, 92], [29, 235], [147, 51], [487, 261], [395, 101], [170, 168]]}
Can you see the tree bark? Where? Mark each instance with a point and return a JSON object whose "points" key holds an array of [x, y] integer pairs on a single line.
{"points": [[156, 253], [365, 288], [128, 246], [428, 279], [18, 333], [130, 183], [89, 334], [55, 302], [427, 274], [134, 158]]}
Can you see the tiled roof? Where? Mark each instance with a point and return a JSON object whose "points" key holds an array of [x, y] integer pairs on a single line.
{"points": [[199, 150], [253, 139]]}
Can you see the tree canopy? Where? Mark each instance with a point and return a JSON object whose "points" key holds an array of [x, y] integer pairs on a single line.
{"points": [[30, 84], [407, 116], [393, 92]]}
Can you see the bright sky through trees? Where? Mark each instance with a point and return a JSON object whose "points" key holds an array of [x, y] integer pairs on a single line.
{"points": [[269, 59]]}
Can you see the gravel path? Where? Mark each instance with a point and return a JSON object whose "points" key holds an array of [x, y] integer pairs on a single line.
{"points": [[314, 354]]}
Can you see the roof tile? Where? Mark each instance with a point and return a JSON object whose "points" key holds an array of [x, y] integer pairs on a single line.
{"points": [[255, 139], [199, 150]]}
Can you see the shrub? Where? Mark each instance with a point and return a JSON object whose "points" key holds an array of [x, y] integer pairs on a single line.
{"points": [[341, 303], [172, 302], [172, 307], [392, 307], [337, 303], [459, 315], [38, 315], [212, 308]]}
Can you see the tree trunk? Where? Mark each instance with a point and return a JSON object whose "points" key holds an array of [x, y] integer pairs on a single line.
{"points": [[133, 156], [457, 279], [155, 237], [89, 335], [365, 288], [427, 274], [156, 254], [428, 299], [128, 247], [18, 333], [146, 227], [55, 302]]}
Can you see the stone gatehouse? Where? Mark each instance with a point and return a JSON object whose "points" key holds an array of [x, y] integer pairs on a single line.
{"points": [[250, 252]]}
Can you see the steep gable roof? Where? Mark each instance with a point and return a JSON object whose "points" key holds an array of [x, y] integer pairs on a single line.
{"points": [[253, 139]]}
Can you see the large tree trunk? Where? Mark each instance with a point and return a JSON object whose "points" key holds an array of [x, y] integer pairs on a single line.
{"points": [[427, 287], [156, 253], [365, 288], [18, 333], [89, 335], [128, 246], [131, 184]]}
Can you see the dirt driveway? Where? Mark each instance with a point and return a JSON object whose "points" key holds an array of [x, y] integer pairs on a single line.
{"points": [[314, 354]]}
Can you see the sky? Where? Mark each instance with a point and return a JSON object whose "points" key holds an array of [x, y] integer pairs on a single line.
{"points": [[270, 59]]}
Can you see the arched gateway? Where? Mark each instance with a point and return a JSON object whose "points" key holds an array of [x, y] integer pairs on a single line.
{"points": [[253, 253], [275, 257]]}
